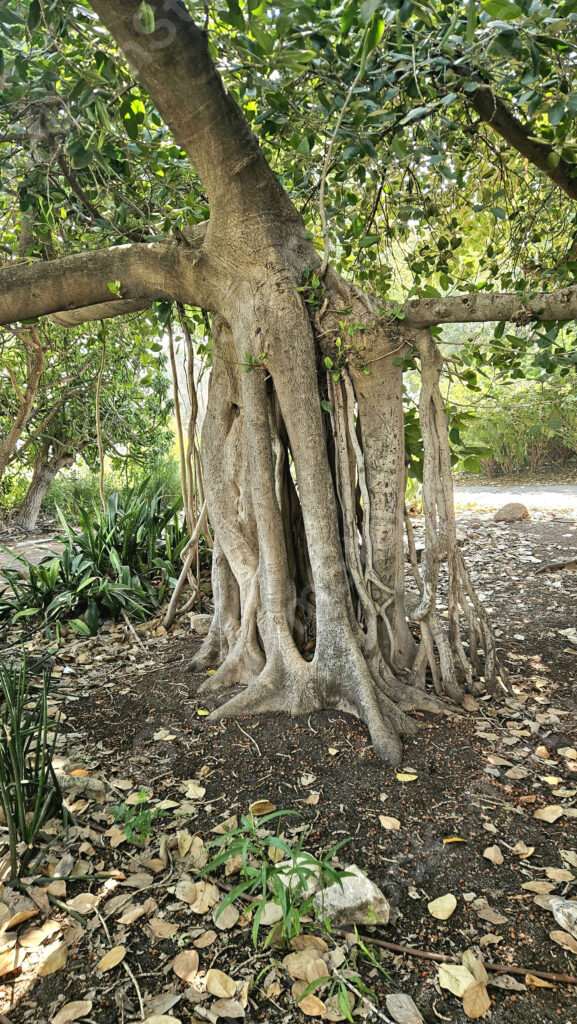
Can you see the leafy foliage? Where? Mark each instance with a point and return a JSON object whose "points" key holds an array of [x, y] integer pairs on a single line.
{"points": [[122, 560], [285, 885], [137, 819], [29, 790]]}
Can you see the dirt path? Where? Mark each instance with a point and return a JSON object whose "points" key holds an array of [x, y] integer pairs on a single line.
{"points": [[555, 498]]}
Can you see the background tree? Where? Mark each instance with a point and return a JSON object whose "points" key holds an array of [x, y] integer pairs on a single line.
{"points": [[443, 114]]}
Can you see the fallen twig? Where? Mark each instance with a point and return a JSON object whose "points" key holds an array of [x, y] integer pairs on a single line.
{"points": [[565, 979]]}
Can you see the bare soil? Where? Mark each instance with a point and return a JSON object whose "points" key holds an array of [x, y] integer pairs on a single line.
{"points": [[134, 717]]}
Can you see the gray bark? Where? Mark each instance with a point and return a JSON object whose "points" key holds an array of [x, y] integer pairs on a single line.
{"points": [[45, 470]]}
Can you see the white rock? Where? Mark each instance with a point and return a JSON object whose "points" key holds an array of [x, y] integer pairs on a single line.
{"points": [[359, 901], [200, 624], [565, 914]]}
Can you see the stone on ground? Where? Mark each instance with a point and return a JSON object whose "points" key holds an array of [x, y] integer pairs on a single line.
{"points": [[358, 901], [512, 512]]}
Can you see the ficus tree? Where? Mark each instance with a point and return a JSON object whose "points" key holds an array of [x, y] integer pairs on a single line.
{"points": [[390, 128]]}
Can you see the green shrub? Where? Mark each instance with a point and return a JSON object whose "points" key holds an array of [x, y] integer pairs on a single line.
{"points": [[123, 559], [29, 790]]}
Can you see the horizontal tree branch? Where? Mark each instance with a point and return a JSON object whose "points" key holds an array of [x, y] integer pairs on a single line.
{"points": [[482, 307], [115, 280]]}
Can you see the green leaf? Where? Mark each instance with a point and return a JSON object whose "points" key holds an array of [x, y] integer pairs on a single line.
{"points": [[146, 18], [34, 15], [503, 10], [79, 627]]}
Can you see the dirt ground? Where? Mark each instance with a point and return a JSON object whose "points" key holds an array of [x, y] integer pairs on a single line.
{"points": [[471, 780]]}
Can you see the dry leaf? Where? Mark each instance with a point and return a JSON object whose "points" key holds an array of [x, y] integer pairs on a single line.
{"points": [[475, 965], [207, 895], [220, 984], [568, 752], [226, 918], [306, 965], [443, 906], [229, 1008], [310, 1005], [402, 1009], [11, 960], [55, 960], [392, 824], [185, 965], [259, 807], [476, 1001], [161, 1018], [549, 813], [302, 941], [539, 886], [194, 791], [507, 982], [542, 751], [226, 826], [406, 776], [313, 799], [530, 979], [162, 929], [493, 853], [456, 978], [33, 937], [559, 874], [204, 940], [522, 850], [186, 890], [569, 856], [83, 903], [72, 1011], [487, 913], [112, 958], [565, 940]]}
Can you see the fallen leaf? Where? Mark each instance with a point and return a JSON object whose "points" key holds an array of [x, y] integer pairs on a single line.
{"points": [[392, 824], [522, 850], [112, 958], [568, 752], [306, 965], [560, 874], [303, 941], [72, 1011], [204, 940], [506, 982], [55, 960], [530, 979], [11, 960], [162, 929], [311, 1005], [333, 751], [476, 1001], [226, 918], [539, 886], [220, 984], [443, 906], [542, 751], [569, 856], [259, 807], [186, 890], [231, 1009], [207, 895], [161, 1018], [402, 1009], [226, 826], [312, 799], [185, 965], [549, 813], [194, 791], [493, 853], [456, 978], [406, 777], [565, 940], [487, 913]]}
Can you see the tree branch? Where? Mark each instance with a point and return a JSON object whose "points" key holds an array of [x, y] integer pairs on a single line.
{"points": [[174, 65], [146, 272], [481, 307], [495, 112]]}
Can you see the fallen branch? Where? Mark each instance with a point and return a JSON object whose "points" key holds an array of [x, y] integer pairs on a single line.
{"points": [[441, 958]]}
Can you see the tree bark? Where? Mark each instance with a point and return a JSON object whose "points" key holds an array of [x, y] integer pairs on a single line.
{"points": [[45, 470], [35, 357]]}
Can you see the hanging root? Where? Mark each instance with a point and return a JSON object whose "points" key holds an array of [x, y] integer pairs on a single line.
{"points": [[441, 545]]}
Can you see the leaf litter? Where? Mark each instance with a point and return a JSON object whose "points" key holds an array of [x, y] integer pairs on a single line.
{"points": [[163, 920]]}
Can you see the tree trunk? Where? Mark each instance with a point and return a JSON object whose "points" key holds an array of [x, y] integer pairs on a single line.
{"points": [[44, 473]]}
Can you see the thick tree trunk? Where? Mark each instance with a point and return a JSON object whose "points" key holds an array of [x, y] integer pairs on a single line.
{"points": [[44, 473]]}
